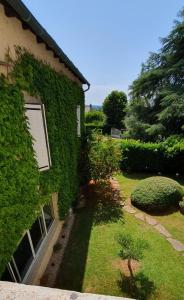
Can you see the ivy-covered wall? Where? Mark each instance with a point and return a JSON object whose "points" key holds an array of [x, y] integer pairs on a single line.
{"points": [[23, 187]]}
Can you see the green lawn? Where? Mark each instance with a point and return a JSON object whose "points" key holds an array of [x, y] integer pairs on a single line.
{"points": [[173, 220], [91, 262]]}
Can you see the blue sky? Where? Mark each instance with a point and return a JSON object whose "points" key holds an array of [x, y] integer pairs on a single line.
{"points": [[107, 39]]}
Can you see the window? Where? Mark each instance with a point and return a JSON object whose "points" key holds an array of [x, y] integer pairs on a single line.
{"points": [[37, 233], [8, 275], [23, 256], [27, 250], [35, 114], [48, 215], [78, 121]]}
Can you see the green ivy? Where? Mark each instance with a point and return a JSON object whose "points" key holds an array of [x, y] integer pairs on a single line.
{"points": [[23, 187]]}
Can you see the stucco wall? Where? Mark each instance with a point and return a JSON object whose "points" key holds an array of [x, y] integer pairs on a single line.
{"points": [[12, 34], [15, 291]]}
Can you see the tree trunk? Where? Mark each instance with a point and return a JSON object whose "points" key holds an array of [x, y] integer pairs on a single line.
{"points": [[130, 268]]}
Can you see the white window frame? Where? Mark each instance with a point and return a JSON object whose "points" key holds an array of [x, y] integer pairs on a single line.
{"points": [[35, 254], [78, 121], [41, 107]]}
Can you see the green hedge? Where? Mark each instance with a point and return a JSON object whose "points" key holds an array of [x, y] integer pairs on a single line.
{"points": [[92, 126], [152, 157], [19, 178]]}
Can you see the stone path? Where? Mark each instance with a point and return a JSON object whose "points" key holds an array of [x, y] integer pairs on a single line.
{"points": [[50, 275], [177, 245], [162, 230]]}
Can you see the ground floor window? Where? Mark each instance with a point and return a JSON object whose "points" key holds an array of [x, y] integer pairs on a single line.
{"points": [[27, 249], [48, 215], [23, 256], [37, 233]]}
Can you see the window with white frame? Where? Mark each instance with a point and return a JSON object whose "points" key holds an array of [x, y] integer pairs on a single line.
{"points": [[27, 250], [78, 121], [37, 126]]}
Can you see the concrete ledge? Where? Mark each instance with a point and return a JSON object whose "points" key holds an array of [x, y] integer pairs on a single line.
{"points": [[15, 291]]}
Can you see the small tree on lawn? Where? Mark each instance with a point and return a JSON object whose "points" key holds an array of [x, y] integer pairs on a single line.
{"points": [[131, 249], [104, 156]]}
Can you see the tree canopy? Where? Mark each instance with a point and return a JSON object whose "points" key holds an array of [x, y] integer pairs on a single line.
{"points": [[114, 108], [156, 108]]}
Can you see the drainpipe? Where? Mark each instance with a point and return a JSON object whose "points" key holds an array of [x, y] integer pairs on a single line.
{"points": [[87, 88]]}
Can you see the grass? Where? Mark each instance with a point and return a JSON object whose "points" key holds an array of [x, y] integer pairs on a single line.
{"points": [[173, 220], [91, 262]]}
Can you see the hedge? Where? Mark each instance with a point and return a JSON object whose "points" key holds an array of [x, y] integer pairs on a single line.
{"points": [[105, 129], [152, 157]]}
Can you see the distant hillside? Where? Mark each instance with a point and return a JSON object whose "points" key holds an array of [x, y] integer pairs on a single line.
{"points": [[91, 107]]}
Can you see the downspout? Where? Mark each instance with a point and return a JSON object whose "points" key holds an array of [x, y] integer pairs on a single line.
{"points": [[87, 88]]}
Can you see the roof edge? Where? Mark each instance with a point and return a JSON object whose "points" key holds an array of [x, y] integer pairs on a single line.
{"points": [[27, 17]]}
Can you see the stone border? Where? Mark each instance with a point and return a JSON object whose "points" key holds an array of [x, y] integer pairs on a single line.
{"points": [[50, 275]]}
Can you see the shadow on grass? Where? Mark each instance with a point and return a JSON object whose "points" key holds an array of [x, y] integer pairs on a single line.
{"points": [[108, 205], [102, 206], [138, 287], [138, 176]]}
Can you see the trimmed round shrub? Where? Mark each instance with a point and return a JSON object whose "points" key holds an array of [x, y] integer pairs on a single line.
{"points": [[157, 193]]}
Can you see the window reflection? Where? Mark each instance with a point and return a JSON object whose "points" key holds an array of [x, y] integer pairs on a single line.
{"points": [[37, 233], [48, 215]]}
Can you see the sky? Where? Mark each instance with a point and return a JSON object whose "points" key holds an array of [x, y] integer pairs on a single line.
{"points": [[107, 39]]}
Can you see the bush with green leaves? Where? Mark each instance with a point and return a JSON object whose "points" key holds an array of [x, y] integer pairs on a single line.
{"points": [[181, 204], [157, 193], [95, 117], [104, 156]]}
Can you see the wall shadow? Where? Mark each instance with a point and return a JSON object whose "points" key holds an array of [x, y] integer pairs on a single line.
{"points": [[102, 206]]}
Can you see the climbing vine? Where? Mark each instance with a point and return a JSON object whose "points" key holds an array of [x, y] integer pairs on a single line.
{"points": [[23, 187]]}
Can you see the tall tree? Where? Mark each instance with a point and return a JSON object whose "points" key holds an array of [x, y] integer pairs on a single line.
{"points": [[114, 108], [159, 90]]}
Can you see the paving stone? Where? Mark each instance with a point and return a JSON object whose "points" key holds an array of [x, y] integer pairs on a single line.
{"points": [[129, 209], [151, 221], [177, 245], [140, 216], [162, 230]]}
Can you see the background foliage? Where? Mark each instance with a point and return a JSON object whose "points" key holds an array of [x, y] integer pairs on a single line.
{"points": [[95, 117], [114, 108], [156, 109], [20, 197]]}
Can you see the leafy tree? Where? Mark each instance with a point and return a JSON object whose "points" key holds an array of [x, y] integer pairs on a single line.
{"points": [[104, 156], [114, 109], [131, 249], [156, 108], [95, 117]]}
